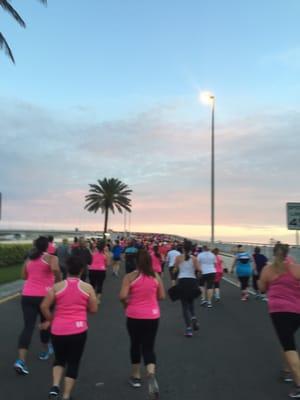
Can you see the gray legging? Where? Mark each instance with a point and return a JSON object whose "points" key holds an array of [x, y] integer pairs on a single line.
{"points": [[188, 311]]}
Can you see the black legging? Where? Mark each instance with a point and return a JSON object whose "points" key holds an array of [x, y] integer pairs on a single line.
{"points": [[96, 279], [68, 350], [244, 281], [142, 334], [188, 311], [31, 310]]}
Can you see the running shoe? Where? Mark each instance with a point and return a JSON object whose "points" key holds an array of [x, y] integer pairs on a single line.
{"points": [[286, 376], [244, 298], [295, 393], [203, 303], [153, 388], [195, 324], [135, 382], [188, 332], [217, 299], [53, 392], [50, 349], [44, 355], [21, 368], [209, 305]]}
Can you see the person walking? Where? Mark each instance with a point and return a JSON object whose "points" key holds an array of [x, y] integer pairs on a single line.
{"points": [[156, 259], [170, 261], [281, 280], [140, 292], [130, 255], [83, 252], [219, 273], [207, 262], [260, 261], [63, 252], [116, 257], [72, 298], [242, 266], [97, 269], [188, 266], [40, 272]]}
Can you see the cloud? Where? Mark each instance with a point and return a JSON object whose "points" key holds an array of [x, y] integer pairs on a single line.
{"points": [[48, 159]]}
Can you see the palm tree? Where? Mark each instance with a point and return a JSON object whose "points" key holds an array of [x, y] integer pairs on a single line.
{"points": [[7, 7], [107, 195]]}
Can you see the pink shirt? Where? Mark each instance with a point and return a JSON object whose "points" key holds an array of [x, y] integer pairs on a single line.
{"points": [[156, 263], [284, 294], [71, 303], [40, 278], [98, 261], [219, 264], [143, 303]]}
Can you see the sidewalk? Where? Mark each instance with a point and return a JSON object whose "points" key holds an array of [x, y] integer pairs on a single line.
{"points": [[10, 289]]}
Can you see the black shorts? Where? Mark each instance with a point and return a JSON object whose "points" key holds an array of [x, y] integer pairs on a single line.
{"points": [[286, 324], [208, 280]]}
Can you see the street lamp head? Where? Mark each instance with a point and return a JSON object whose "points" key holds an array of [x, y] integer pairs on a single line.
{"points": [[207, 97]]}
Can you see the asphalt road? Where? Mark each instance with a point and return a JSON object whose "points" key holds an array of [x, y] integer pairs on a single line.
{"points": [[235, 354]]}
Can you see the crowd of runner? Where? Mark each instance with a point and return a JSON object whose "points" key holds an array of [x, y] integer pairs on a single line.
{"points": [[56, 289]]}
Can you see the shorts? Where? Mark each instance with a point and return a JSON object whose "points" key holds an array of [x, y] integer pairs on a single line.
{"points": [[286, 324], [208, 280]]}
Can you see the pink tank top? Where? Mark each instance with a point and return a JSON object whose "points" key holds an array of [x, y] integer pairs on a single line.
{"points": [[284, 294], [156, 263], [219, 264], [143, 303], [98, 261], [40, 278], [70, 316]]}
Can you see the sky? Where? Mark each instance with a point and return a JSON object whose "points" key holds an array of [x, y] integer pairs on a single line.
{"points": [[110, 88]]}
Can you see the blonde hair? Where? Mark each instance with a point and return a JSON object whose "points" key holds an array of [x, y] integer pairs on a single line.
{"points": [[280, 252]]}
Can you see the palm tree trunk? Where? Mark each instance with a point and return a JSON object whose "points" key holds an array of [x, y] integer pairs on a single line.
{"points": [[105, 220]]}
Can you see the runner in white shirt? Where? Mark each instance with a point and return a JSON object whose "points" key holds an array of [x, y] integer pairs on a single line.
{"points": [[171, 257], [207, 262]]}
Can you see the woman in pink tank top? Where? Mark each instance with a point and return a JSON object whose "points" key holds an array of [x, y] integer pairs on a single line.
{"points": [[156, 259], [97, 269], [140, 292], [281, 281], [72, 298], [40, 272], [219, 273]]}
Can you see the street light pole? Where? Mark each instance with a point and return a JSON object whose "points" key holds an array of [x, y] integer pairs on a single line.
{"points": [[212, 171], [209, 99]]}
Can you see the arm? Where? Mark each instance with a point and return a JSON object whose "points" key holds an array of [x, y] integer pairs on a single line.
{"points": [[264, 279], [45, 309], [161, 294], [124, 292], [93, 305], [24, 274], [233, 266], [196, 264], [55, 268], [295, 270]]}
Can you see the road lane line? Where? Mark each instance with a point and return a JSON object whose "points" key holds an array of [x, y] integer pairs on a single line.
{"points": [[237, 285], [8, 298]]}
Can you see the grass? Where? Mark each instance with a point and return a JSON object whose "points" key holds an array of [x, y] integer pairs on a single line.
{"points": [[10, 274]]}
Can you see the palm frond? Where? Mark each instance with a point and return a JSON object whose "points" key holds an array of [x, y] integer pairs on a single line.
{"points": [[4, 45], [7, 7]]}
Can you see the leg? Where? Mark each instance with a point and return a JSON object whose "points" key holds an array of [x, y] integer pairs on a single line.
{"points": [[92, 278], [135, 334], [59, 346], [209, 287], [30, 308], [100, 279], [186, 313], [75, 347]]}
